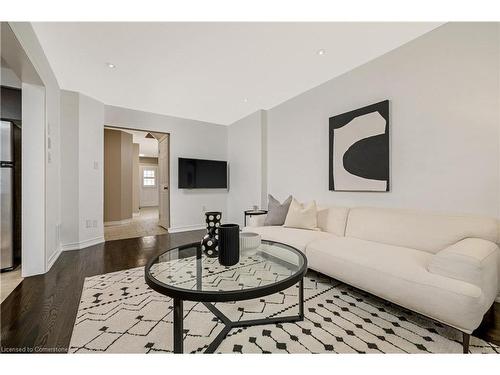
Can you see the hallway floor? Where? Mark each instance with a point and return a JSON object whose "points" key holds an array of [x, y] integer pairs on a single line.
{"points": [[8, 282], [144, 224]]}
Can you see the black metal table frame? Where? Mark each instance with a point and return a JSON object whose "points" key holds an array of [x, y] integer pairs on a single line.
{"points": [[229, 324], [180, 295]]}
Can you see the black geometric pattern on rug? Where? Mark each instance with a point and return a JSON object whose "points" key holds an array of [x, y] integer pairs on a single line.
{"points": [[119, 313]]}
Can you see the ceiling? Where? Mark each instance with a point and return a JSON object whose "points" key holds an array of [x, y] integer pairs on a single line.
{"points": [[214, 72], [147, 146], [15, 64]]}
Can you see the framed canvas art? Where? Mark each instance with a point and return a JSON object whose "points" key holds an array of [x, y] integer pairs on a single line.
{"points": [[359, 149]]}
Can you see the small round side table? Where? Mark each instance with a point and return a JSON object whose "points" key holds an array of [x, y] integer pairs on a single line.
{"points": [[252, 213]]}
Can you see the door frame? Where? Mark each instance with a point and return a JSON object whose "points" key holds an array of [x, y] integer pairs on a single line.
{"points": [[168, 174], [35, 127], [117, 127]]}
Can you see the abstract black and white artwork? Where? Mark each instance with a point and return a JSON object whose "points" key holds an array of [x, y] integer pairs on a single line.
{"points": [[359, 149]]}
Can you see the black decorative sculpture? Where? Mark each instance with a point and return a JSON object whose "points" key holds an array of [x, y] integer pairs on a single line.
{"points": [[210, 242]]}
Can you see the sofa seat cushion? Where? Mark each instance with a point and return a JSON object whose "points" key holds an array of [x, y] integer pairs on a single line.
{"points": [[400, 275], [298, 238]]}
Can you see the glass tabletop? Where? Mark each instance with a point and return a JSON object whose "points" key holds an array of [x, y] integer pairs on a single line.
{"points": [[186, 272]]}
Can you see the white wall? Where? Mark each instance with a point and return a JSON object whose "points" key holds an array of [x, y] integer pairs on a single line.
{"points": [[188, 138], [445, 136], [9, 78], [91, 170], [49, 140], [33, 175], [82, 121], [244, 144], [444, 94], [69, 171]]}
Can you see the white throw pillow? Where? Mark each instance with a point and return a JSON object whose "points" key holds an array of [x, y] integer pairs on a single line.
{"points": [[304, 216]]}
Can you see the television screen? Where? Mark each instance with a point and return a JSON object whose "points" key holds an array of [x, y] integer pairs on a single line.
{"points": [[202, 174]]}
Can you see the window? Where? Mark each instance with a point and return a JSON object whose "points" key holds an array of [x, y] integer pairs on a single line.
{"points": [[148, 178]]}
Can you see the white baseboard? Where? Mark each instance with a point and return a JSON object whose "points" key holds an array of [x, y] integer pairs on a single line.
{"points": [[118, 222], [82, 244], [186, 228], [53, 258]]}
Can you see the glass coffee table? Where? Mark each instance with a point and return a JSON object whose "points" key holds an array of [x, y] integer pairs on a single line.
{"points": [[185, 273]]}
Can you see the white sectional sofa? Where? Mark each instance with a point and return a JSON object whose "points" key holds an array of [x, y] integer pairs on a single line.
{"points": [[445, 267]]}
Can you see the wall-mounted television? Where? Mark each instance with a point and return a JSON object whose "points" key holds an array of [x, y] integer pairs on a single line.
{"points": [[202, 174]]}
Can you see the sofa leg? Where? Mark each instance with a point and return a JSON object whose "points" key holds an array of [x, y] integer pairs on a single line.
{"points": [[466, 340]]}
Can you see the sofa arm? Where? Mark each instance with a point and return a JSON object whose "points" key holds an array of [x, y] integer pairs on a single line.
{"points": [[472, 260], [256, 220]]}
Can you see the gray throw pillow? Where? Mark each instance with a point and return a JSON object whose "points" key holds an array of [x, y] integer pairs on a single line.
{"points": [[276, 211]]}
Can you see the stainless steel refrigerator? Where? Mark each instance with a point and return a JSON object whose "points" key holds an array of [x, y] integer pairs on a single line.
{"points": [[7, 195]]}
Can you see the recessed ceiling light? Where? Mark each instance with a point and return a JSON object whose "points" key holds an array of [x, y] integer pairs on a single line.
{"points": [[321, 52], [110, 65], [245, 100]]}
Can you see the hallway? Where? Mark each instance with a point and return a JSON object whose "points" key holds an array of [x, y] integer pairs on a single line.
{"points": [[144, 224], [9, 281]]}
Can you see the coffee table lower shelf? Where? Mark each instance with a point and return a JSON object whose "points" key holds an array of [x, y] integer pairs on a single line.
{"points": [[228, 323]]}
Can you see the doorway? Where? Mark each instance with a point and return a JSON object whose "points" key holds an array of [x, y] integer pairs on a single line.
{"points": [[163, 177], [10, 191], [136, 183]]}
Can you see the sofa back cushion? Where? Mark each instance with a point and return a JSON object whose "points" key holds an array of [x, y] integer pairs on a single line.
{"points": [[415, 229], [276, 211], [333, 219], [302, 215]]}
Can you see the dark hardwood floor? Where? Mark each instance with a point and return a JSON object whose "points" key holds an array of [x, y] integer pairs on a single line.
{"points": [[38, 316]]}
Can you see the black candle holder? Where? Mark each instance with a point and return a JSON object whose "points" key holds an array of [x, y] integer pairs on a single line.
{"points": [[229, 244]]}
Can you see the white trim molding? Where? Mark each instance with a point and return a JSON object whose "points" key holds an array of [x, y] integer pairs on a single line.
{"points": [[118, 222], [186, 228], [82, 244], [52, 259]]}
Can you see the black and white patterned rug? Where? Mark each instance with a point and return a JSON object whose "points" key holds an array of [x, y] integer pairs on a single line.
{"points": [[119, 313]]}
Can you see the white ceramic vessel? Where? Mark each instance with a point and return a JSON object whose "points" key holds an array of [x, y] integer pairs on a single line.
{"points": [[249, 241]]}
